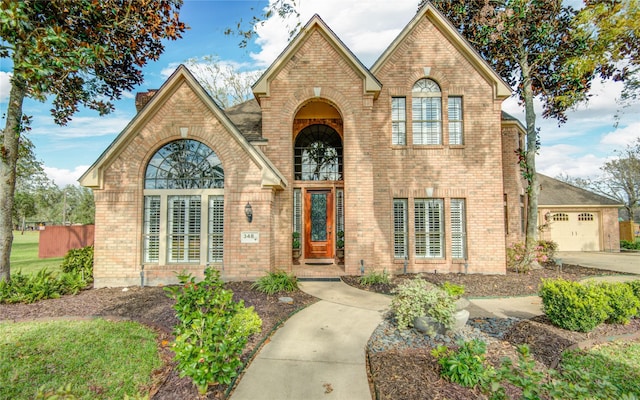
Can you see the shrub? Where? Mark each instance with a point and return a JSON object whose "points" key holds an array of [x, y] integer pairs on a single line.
{"points": [[635, 287], [573, 306], [519, 261], [43, 285], [275, 282], [629, 245], [212, 330], [79, 261], [374, 277], [417, 298], [623, 304], [466, 365], [453, 290]]}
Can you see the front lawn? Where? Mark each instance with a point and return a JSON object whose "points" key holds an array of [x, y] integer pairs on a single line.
{"points": [[24, 254], [99, 359]]}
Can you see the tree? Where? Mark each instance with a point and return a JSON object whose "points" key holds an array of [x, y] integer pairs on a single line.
{"points": [[613, 28], [81, 53], [529, 43], [223, 81]]}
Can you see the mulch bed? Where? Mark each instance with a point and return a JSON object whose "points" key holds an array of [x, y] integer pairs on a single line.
{"points": [[407, 374]]}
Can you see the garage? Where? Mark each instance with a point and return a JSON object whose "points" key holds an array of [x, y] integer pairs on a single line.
{"points": [[575, 231], [577, 219]]}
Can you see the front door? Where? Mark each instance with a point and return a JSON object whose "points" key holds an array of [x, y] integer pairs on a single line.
{"points": [[318, 224]]}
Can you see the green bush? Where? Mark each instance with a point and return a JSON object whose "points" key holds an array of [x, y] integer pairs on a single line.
{"points": [[623, 304], [276, 282], [374, 277], [417, 298], [43, 285], [547, 249], [466, 365], [212, 330], [635, 288], [79, 261], [452, 289], [629, 245], [573, 306]]}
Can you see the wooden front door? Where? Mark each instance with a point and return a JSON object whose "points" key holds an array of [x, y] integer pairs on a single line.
{"points": [[318, 224]]}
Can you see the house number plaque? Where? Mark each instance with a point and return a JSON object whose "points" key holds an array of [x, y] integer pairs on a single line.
{"points": [[250, 237]]}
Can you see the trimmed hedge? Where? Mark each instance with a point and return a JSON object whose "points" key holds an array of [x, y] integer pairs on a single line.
{"points": [[582, 307]]}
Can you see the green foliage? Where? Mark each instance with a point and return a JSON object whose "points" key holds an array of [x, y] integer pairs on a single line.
{"points": [[40, 286], [623, 304], [635, 287], [296, 240], [453, 290], [374, 277], [417, 298], [547, 249], [275, 282], [466, 365], [519, 260], [79, 261], [574, 306], [626, 244], [61, 393], [340, 239], [212, 330]]}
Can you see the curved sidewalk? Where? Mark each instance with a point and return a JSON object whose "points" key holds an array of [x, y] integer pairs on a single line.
{"points": [[319, 353]]}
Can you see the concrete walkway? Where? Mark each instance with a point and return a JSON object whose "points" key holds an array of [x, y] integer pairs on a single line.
{"points": [[319, 353]]}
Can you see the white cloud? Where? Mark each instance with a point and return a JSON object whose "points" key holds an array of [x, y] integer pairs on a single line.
{"points": [[568, 159], [5, 86], [365, 29], [84, 127], [620, 138], [64, 177]]}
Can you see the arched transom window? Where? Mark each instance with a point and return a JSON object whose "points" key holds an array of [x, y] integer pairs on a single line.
{"points": [[183, 215], [318, 154], [426, 112]]}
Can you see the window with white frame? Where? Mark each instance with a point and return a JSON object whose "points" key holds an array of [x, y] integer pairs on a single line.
{"points": [[429, 228], [458, 229], [183, 219], [426, 111], [399, 121], [455, 120], [400, 242]]}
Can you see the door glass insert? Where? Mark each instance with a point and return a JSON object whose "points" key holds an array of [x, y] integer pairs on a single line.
{"points": [[318, 216]]}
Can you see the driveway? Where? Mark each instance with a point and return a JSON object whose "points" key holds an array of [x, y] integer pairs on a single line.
{"points": [[622, 262]]}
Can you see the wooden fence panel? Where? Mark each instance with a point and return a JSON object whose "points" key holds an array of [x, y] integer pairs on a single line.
{"points": [[56, 241]]}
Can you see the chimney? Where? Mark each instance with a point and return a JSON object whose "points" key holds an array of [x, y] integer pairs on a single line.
{"points": [[142, 98]]}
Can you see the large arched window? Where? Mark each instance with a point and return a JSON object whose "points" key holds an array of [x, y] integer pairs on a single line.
{"points": [[183, 193], [426, 112], [318, 154]]}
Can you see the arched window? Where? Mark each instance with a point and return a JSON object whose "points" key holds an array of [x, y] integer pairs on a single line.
{"points": [[183, 194], [184, 164], [318, 154], [560, 217], [585, 217], [426, 112]]}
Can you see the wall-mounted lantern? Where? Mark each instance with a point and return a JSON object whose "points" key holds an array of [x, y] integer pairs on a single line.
{"points": [[248, 211]]}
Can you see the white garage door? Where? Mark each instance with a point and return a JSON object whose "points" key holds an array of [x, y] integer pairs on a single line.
{"points": [[575, 231]]}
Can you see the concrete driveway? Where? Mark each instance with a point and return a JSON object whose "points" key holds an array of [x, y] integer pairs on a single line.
{"points": [[628, 263]]}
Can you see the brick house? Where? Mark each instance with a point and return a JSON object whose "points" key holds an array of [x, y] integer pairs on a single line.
{"points": [[403, 161]]}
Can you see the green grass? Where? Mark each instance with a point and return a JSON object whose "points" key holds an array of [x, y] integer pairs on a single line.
{"points": [[24, 254], [617, 363], [98, 358]]}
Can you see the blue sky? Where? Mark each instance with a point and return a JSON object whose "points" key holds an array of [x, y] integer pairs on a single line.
{"points": [[578, 148]]}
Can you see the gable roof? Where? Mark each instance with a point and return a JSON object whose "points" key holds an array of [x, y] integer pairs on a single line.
{"points": [[557, 193], [94, 176], [501, 88], [371, 83]]}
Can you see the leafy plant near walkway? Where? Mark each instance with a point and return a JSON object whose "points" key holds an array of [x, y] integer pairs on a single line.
{"points": [[276, 282], [374, 277], [582, 307], [79, 261], [212, 330], [418, 298], [466, 365]]}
